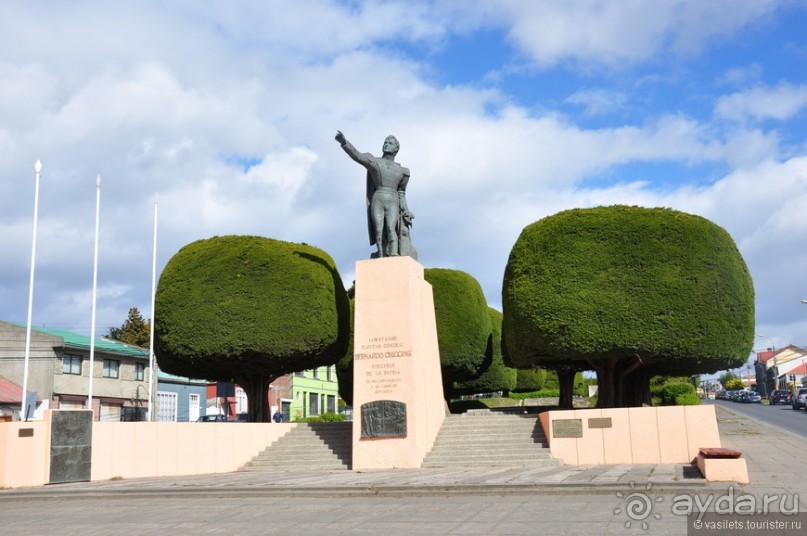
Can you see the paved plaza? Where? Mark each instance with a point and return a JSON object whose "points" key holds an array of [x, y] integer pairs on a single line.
{"points": [[588, 500]]}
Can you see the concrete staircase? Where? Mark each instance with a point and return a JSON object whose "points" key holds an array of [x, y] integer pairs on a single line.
{"points": [[490, 439], [307, 447]]}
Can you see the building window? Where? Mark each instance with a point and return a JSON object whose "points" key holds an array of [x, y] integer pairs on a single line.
{"points": [[71, 364], [329, 373], [316, 373], [166, 406], [313, 403], [140, 372], [111, 368], [331, 404], [301, 374]]}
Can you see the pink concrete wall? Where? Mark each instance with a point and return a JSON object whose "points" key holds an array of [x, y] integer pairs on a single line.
{"points": [[139, 449], [671, 434], [24, 460], [142, 449], [396, 357]]}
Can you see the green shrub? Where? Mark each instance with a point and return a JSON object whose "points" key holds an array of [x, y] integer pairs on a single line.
{"points": [[325, 417], [543, 393], [671, 391], [688, 399]]}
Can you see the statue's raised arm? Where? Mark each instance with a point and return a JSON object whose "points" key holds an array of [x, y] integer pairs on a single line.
{"points": [[386, 202]]}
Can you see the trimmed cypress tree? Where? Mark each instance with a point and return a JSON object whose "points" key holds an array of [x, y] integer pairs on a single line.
{"points": [[497, 376], [249, 309], [630, 292], [464, 330]]}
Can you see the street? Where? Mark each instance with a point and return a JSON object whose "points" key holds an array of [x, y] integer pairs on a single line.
{"points": [[781, 416]]}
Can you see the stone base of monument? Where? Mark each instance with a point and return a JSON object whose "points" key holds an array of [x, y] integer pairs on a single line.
{"points": [[398, 404]]}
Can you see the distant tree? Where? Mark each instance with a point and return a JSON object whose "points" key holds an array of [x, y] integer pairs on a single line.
{"points": [[249, 309], [135, 330], [726, 377], [734, 384], [630, 292], [464, 330], [497, 376]]}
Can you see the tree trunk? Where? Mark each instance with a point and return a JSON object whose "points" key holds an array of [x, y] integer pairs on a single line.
{"points": [[605, 382], [256, 388], [566, 384], [637, 388]]}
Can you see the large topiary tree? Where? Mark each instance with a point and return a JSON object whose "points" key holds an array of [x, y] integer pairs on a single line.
{"points": [[629, 292], [249, 309], [464, 329], [497, 376]]}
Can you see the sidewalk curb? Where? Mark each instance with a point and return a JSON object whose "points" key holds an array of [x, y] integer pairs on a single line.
{"points": [[355, 491]]}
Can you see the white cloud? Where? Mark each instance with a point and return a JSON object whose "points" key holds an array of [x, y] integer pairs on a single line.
{"points": [[616, 34], [598, 101], [781, 102]]}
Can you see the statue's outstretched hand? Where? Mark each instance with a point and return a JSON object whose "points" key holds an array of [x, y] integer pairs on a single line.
{"points": [[340, 137]]}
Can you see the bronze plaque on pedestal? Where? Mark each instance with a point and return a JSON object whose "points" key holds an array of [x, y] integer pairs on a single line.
{"points": [[567, 428], [601, 422], [383, 418]]}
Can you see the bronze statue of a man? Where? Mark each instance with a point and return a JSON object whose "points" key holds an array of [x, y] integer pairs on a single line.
{"points": [[388, 217]]}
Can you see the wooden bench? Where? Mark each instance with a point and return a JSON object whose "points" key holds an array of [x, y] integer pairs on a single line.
{"points": [[718, 464]]}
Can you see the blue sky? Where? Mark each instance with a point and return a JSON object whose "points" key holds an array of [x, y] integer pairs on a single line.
{"points": [[507, 112]]}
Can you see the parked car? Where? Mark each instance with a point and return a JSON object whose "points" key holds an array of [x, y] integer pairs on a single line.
{"points": [[754, 397], [799, 399], [212, 418], [779, 396]]}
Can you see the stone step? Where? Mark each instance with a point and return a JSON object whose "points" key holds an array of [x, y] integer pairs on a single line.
{"points": [[318, 446], [490, 439]]}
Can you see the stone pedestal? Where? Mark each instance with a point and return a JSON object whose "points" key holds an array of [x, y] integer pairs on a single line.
{"points": [[398, 404]]}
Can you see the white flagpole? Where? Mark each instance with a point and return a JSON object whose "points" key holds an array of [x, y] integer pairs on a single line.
{"points": [[94, 286], [23, 416], [153, 292]]}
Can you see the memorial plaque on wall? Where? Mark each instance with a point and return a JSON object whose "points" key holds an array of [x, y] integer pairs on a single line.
{"points": [[383, 418], [600, 422], [567, 428], [70, 446]]}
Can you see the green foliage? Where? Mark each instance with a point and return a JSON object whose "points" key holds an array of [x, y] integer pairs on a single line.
{"points": [[581, 384], [734, 385], [671, 391], [531, 380], [135, 330], [726, 377], [344, 367], [497, 376], [543, 393], [464, 330], [251, 309], [325, 417], [688, 399], [611, 285]]}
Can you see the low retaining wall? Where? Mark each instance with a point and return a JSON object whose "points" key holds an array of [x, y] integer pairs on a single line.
{"points": [[669, 434], [138, 449]]}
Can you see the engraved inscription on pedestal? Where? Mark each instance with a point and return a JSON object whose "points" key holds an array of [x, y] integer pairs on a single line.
{"points": [[383, 418], [70, 446], [567, 428]]}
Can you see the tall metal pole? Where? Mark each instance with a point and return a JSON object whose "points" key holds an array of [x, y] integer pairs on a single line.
{"points": [[153, 292], [94, 286], [23, 416]]}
